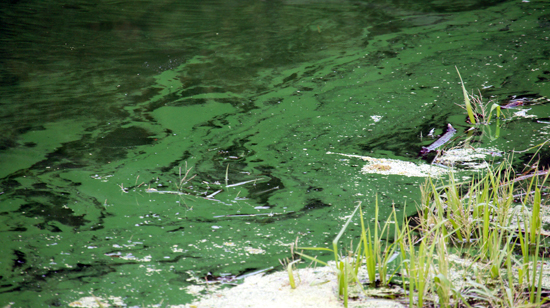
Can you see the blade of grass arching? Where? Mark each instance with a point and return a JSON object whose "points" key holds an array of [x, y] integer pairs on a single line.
{"points": [[315, 248], [342, 274], [337, 238], [314, 259], [466, 100], [493, 107]]}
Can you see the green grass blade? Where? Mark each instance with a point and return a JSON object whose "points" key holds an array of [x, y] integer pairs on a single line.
{"points": [[314, 248], [535, 216], [314, 259], [467, 100], [337, 238], [290, 274]]}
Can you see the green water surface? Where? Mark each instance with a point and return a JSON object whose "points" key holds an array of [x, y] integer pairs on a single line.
{"points": [[104, 102]]}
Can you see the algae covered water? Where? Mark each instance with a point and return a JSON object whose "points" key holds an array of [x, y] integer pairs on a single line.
{"points": [[148, 144]]}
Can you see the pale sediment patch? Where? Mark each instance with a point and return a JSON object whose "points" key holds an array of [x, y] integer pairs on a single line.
{"points": [[387, 166], [316, 288], [472, 159], [94, 301]]}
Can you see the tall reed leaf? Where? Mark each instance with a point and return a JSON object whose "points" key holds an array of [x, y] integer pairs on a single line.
{"points": [[535, 217], [467, 100]]}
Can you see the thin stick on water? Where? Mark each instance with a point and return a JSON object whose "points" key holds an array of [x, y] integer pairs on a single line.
{"points": [[226, 175], [241, 183], [184, 179]]}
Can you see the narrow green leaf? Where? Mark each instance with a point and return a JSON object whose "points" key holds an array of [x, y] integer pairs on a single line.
{"points": [[467, 100]]}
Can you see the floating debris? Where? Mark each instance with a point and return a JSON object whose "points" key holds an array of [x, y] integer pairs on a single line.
{"points": [[528, 100], [523, 114], [439, 142], [254, 251], [376, 118], [471, 158], [171, 192], [514, 103]]}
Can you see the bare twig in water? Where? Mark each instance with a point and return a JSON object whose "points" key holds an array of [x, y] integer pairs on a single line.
{"points": [[184, 180], [124, 190], [242, 183]]}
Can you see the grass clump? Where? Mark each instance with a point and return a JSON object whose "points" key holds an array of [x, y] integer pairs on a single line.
{"points": [[471, 245], [478, 112]]}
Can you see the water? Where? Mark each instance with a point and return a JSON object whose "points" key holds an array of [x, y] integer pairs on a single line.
{"points": [[104, 102]]}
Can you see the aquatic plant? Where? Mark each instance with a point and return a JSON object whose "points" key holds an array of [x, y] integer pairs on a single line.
{"points": [[477, 218], [290, 265], [343, 265], [379, 252], [478, 111], [466, 100], [370, 252]]}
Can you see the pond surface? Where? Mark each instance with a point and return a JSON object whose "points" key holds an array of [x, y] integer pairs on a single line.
{"points": [[147, 142]]}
